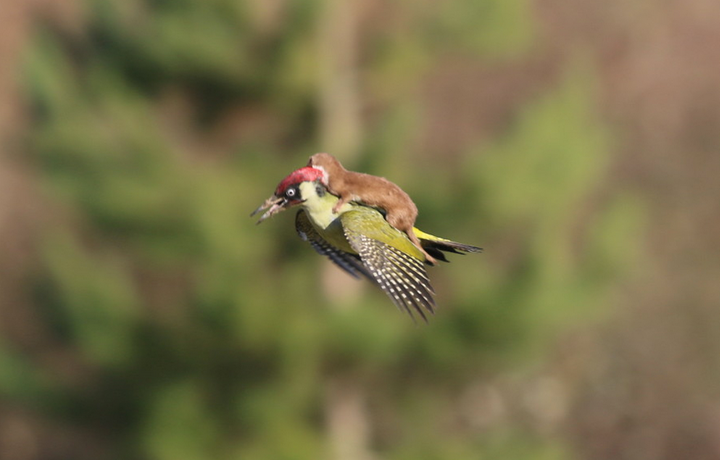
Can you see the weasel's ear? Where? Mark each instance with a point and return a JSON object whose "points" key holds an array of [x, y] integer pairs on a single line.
{"points": [[323, 175]]}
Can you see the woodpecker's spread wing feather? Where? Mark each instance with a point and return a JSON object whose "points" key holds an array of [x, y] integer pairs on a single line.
{"points": [[401, 276], [349, 262]]}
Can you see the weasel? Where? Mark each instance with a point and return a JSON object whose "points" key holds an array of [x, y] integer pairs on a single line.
{"points": [[400, 211]]}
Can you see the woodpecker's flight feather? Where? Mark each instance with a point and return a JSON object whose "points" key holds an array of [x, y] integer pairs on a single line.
{"points": [[402, 277]]}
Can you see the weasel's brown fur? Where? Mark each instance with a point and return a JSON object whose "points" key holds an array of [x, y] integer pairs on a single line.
{"points": [[400, 211]]}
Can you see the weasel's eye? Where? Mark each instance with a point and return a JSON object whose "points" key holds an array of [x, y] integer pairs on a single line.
{"points": [[291, 192]]}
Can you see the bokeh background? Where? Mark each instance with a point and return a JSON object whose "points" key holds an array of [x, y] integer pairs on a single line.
{"points": [[143, 315]]}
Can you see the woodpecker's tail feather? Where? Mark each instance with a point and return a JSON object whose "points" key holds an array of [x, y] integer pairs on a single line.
{"points": [[434, 245]]}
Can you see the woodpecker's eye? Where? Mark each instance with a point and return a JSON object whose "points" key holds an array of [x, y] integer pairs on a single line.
{"points": [[291, 192]]}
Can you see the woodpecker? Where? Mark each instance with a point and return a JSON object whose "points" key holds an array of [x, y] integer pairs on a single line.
{"points": [[360, 240], [400, 211]]}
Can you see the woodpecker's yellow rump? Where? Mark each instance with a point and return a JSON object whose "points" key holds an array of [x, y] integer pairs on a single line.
{"points": [[360, 240]]}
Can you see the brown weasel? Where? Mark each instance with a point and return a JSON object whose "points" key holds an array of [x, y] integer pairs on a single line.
{"points": [[400, 211]]}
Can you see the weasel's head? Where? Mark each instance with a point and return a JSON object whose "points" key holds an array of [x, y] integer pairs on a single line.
{"points": [[327, 164]]}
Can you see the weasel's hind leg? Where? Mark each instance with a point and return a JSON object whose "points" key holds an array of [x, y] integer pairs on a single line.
{"points": [[411, 234]]}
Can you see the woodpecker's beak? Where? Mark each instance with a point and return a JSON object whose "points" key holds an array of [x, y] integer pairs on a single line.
{"points": [[276, 204]]}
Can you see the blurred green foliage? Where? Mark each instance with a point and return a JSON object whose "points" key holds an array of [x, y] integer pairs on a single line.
{"points": [[209, 337]]}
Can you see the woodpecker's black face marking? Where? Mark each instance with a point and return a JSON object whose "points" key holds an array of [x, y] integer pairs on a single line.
{"points": [[292, 196], [292, 192]]}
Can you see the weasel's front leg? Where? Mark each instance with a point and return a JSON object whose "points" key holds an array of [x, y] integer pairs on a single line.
{"points": [[341, 202]]}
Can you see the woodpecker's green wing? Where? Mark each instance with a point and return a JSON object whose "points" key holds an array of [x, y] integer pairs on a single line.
{"points": [[395, 264], [349, 262]]}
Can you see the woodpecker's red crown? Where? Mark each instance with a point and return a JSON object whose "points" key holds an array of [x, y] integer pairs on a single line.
{"points": [[306, 174]]}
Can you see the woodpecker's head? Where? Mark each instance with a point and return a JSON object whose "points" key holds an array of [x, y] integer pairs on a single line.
{"points": [[287, 194]]}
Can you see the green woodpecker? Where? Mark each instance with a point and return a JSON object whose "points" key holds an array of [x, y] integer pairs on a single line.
{"points": [[360, 240]]}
